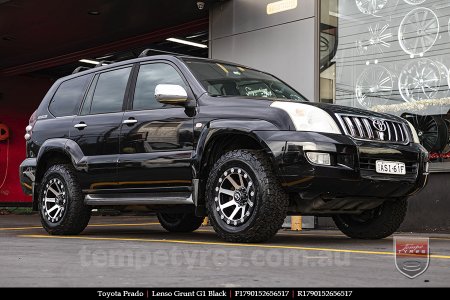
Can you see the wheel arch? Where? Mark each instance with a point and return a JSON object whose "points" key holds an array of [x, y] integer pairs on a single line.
{"points": [[223, 136], [52, 152]]}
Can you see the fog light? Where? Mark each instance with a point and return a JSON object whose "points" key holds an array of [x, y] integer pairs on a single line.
{"points": [[319, 158]]}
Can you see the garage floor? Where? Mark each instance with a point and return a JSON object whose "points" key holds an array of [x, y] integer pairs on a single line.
{"points": [[129, 251]]}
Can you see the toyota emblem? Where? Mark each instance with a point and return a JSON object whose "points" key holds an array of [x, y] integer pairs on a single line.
{"points": [[379, 125]]}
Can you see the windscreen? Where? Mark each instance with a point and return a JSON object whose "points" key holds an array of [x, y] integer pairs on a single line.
{"points": [[226, 80]]}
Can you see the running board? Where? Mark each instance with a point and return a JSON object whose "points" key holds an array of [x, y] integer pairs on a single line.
{"points": [[138, 199]]}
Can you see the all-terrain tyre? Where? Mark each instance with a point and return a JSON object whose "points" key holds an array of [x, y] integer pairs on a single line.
{"points": [[182, 222], [245, 200], [61, 202], [374, 224]]}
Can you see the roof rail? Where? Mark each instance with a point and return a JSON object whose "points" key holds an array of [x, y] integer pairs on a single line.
{"points": [[80, 69], [103, 63], [145, 52]]}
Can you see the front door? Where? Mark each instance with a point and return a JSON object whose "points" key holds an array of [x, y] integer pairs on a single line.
{"points": [[156, 142], [96, 129]]}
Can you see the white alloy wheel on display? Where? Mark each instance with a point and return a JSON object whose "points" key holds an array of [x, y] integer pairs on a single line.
{"points": [[374, 86], [418, 31], [370, 7], [414, 2], [378, 41], [420, 79]]}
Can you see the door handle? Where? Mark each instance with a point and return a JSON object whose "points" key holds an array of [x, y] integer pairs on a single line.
{"points": [[80, 126], [129, 121]]}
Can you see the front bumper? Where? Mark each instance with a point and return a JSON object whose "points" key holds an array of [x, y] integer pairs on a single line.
{"points": [[352, 170]]}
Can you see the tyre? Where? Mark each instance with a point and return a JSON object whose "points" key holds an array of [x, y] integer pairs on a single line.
{"points": [[377, 223], [61, 202], [186, 222], [245, 201]]}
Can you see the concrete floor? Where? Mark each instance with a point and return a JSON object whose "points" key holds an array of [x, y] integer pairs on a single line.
{"points": [[131, 251]]}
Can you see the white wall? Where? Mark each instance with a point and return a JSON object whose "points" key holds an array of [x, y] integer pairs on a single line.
{"points": [[282, 44]]}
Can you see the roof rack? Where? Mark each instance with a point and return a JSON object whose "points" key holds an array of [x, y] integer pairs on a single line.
{"points": [[100, 64], [145, 52], [80, 69], [103, 63]]}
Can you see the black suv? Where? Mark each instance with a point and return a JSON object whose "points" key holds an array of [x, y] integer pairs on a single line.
{"points": [[188, 138]]}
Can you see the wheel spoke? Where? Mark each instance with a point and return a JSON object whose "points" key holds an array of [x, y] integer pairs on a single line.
{"points": [[58, 188], [52, 209], [50, 200], [226, 192], [57, 212], [228, 204], [241, 179], [235, 211], [243, 212], [53, 191], [233, 182]]}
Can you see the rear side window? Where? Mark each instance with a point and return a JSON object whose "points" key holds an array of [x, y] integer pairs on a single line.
{"points": [[109, 92], [67, 98]]}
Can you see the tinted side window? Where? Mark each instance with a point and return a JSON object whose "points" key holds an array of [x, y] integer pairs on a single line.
{"points": [[109, 92], [150, 75], [67, 98]]}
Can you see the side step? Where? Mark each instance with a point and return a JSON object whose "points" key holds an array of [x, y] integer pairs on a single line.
{"points": [[138, 199]]}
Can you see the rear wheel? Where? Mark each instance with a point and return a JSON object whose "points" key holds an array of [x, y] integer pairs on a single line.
{"points": [[182, 222], [245, 200], [61, 202], [376, 223]]}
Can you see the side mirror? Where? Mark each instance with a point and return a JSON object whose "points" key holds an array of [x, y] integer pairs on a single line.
{"points": [[171, 94]]}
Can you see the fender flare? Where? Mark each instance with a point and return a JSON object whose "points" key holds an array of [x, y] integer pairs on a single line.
{"points": [[228, 126], [66, 147]]}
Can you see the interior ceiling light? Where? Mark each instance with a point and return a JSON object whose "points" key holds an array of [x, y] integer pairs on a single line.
{"points": [[89, 61], [179, 41], [94, 12], [104, 57], [280, 6]]}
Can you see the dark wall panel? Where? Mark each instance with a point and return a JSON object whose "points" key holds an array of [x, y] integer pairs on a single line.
{"points": [[19, 97]]}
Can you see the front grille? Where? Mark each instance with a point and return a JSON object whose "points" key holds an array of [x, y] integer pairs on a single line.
{"points": [[373, 129]]}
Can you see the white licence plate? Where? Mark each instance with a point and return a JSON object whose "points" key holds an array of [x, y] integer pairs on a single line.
{"points": [[390, 167]]}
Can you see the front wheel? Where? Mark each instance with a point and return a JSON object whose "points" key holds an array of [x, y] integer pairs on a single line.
{"points": [[244, 198], [373, 224]]}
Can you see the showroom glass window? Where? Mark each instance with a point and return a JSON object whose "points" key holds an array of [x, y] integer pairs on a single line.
{"points": [[67, 98], [390, 56], [107, 92], [149, 76]]}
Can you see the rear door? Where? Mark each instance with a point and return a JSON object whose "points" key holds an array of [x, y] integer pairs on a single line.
{"points": [[156, 140], [96, 128]]}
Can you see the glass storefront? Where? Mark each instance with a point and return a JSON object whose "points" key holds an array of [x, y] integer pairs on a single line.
{"points": [[391, 56]]}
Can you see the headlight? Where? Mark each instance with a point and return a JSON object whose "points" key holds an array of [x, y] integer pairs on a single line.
{"points": [[308, 117], [414, 133]]}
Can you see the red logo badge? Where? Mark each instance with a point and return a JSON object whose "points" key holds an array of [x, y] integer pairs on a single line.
{"points": [[412, 255]]}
